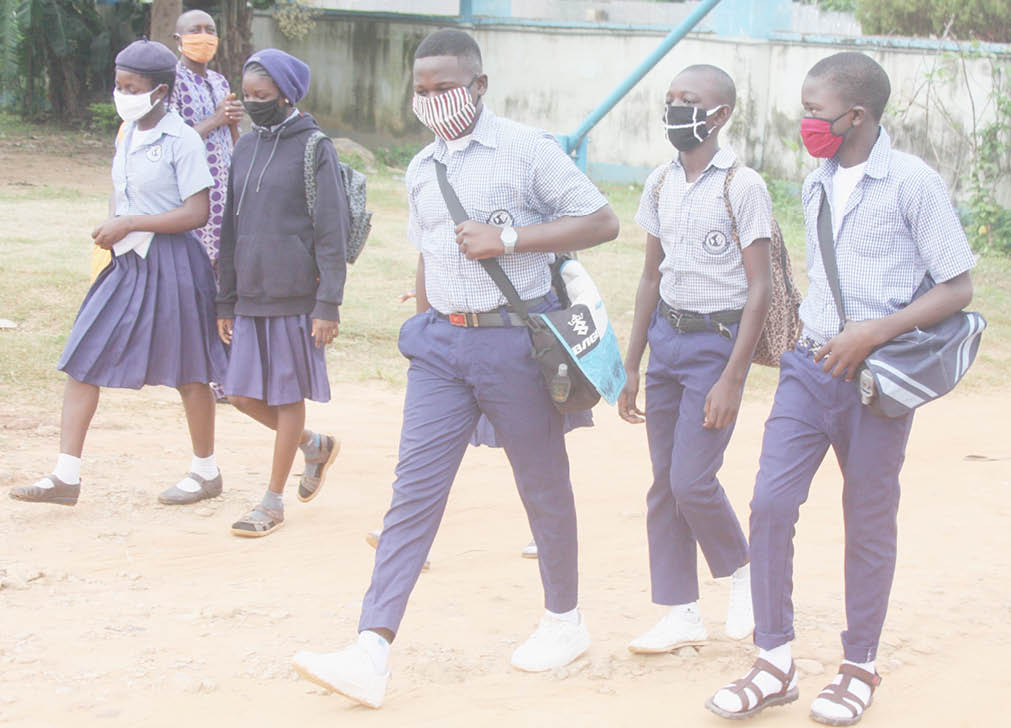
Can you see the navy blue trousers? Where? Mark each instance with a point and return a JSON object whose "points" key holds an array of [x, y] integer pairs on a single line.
{"points": [[811, 412], [456, 374], [686, 503]]}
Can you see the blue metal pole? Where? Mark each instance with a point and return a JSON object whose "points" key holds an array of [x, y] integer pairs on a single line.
{"points": [[572, 141]]}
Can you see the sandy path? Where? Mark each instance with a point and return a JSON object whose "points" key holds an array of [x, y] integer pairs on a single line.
{"points": [[121, 612]]}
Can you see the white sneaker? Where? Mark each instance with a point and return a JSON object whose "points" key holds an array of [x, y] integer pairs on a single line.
{"points": [[349, 672], [740, 612], [555, 643], [530, 550], [675, 630]]}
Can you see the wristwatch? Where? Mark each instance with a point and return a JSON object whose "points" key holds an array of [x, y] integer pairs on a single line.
{"points": [[508, 236]]}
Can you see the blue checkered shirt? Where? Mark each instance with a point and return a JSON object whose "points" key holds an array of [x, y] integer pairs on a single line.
{"points": [[509, 174], [898, 225], [702, 268]]}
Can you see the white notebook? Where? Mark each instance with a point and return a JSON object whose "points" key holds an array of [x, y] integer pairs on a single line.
{"points": [[137, 241]]}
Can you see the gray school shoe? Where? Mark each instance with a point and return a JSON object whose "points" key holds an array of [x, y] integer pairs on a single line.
{"points": [[62, 494], [175, 496]]}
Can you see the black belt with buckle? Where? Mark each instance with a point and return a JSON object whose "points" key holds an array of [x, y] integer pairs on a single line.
{"points": [[489, 319], [688, 322]]}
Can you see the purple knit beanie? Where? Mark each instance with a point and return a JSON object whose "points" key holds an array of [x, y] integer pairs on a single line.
{"points": [[289, 73]]}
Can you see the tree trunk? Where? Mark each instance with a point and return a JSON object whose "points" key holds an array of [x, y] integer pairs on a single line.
{"points": [[235, 33], [164, 14]]}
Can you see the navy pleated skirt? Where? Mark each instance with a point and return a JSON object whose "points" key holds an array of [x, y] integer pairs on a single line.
{"points": [[274, 359], [149, 320]]}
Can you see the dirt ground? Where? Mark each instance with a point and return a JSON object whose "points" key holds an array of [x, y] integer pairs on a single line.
{"points": [[124, 612]]}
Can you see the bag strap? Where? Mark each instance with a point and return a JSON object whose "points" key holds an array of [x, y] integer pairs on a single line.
{"points": [[826, 244], [490, 265], [730, 208], [309, 168]]}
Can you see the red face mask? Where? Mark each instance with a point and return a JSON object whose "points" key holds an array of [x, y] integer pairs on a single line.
{"points": [[819, 139]]}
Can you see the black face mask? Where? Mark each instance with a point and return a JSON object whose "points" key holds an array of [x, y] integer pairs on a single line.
{"points": [[265, 113], [686, 126]]}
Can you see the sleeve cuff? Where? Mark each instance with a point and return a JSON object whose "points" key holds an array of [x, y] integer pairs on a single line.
{"points": [[326, 311], [225, 309]]}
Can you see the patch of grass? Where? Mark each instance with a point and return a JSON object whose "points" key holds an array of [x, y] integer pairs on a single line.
{"points": [[399, 155]]}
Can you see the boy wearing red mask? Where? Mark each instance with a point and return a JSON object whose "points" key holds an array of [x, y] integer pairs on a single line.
{"points": [[470, 355], [893, 223], [702, 299]]}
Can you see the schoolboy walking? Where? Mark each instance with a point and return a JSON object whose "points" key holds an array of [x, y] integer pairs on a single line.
{"points": [[893, 225], [469, 354], [701, 304]]}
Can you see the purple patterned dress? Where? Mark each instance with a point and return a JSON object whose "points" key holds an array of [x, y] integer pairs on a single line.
{"points": [[195, 98]]}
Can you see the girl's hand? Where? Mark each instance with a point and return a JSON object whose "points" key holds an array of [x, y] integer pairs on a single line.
{"points": [[225, 329], [323, 332], [407, 296], [111, 231]]}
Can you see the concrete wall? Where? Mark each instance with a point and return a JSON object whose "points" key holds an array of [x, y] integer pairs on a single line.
{"points": [[551, 78]]}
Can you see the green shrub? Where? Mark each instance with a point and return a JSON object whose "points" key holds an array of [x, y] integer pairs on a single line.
{"points": [[103, 117], [986, 20]]}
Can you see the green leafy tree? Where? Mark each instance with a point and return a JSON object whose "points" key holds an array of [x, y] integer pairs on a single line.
{"points": [[985, 20]]}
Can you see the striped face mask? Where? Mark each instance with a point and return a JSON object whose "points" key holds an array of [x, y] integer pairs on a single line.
{"points": [[448, 114]]}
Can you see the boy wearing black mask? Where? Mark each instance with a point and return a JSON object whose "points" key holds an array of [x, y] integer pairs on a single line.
{"points": [[701, 304]]}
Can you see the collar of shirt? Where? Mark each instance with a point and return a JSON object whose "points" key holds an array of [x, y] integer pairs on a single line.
{"points": [[723, 159], [877, 161], [168, 124], [483, 133]]}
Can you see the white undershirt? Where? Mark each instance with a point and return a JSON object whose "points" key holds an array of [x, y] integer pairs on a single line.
{"points": [[458, 144], [844, 181], [142, 137]]}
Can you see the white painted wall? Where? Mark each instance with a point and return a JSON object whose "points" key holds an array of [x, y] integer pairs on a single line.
{"points": [[553, 78]]}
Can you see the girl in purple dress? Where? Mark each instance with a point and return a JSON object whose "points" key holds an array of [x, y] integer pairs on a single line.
{"points": [[149, 316], [282, 277]]}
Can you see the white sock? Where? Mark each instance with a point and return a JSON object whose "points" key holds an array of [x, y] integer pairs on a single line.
{"points": [[377, 648], [204, 467], [780, 657], [571, 616], [687, 612], [68, 469], [858, 687]]}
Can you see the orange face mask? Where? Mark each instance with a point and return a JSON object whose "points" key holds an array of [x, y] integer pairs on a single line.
{"points": [[198, 47]]}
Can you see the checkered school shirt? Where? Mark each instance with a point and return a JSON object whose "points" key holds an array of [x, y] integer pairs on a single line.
{"points": [[702, 269], [898, 225], [509, 174]]}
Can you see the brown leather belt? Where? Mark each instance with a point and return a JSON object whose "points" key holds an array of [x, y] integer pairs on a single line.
{"points": [[490, 319], [688, 322]]}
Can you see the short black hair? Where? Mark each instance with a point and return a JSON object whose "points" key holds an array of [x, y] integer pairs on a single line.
{"points": [[858, 78], [451, 42], [257, 69], [723, 84]]}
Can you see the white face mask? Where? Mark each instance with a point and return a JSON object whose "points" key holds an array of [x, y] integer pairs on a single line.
{"points": [[131, 107]]}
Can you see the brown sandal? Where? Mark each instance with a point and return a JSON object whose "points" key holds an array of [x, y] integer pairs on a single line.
{"points": [[841, 695], [737, 687]]}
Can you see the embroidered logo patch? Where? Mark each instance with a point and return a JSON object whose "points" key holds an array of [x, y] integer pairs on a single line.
{"points": [[154, 153], [715, 242], [502, 218]]}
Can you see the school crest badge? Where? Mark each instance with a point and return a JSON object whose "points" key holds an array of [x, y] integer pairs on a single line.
{"points": [[715, 242], [154, 153], [501, 218]]}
